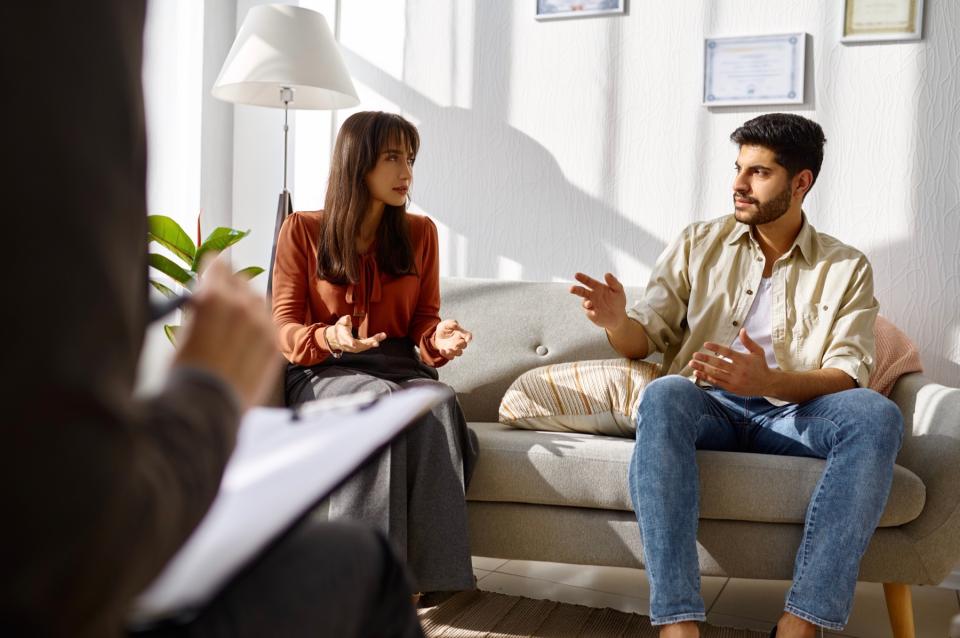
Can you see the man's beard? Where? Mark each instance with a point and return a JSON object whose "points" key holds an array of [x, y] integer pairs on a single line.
{"points": [[767, 211]]}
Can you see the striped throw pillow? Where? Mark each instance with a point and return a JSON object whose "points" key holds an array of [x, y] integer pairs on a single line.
{"points": [[592, 397]]}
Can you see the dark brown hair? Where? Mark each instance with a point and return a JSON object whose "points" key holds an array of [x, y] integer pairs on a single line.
{"points": [[796, 141], [362, 138]]}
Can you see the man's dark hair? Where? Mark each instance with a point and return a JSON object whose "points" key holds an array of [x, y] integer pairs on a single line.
{"points": [[796, 141]]}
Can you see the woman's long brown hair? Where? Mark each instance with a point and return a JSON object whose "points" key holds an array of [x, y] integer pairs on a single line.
{"points": [[361, 139]]}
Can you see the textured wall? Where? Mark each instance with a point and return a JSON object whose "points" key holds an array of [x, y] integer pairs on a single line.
{"points": [[551, 147]]}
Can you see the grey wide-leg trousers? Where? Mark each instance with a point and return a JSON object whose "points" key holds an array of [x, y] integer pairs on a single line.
{"points": [[415, 490]]}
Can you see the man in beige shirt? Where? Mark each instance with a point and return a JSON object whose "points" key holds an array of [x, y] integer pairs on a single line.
{"points": [[766, 331]]}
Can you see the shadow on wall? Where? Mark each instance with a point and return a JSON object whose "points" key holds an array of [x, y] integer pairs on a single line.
{"points": [[514, 176]]}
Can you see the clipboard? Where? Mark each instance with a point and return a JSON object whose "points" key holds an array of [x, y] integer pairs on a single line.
{"points": [[285, 463]]}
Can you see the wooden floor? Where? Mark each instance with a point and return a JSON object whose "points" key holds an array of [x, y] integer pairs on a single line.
{"points": [[733, 602]]}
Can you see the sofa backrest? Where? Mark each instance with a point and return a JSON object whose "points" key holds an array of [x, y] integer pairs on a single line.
{"points": [[521, 325], [517, 326]]}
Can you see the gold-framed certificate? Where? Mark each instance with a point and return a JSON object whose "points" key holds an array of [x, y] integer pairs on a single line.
{"points": [[879, 20]]}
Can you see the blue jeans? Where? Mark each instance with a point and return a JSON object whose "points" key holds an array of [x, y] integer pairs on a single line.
{"points": [[857, 431]]}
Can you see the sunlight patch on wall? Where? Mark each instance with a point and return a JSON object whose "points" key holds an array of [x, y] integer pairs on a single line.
{"points": [[508, 269], [173, 84], [443, 239], [452, 247], [380, 41], [461, 256], [310, 158]]}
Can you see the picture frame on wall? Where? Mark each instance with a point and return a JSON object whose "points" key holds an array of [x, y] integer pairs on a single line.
{"points": [[882, 20], [561, 9], [752, 70]]}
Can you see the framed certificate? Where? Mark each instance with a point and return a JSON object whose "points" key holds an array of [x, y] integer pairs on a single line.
{"points": [[556, 9], [879, 20], [764, 69]]}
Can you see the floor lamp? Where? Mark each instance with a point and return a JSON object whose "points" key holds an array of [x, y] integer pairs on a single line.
{"points": [[285, 57]]}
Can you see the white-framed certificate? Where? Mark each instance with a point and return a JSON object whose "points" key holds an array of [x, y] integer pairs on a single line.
{"points": [[762, 69], [879, 20]]}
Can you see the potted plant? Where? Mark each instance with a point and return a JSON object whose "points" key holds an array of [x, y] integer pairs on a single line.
{"points": [[169, 234]]}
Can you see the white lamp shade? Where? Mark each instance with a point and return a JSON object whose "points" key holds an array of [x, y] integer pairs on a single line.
{"points": [[282, 46]]}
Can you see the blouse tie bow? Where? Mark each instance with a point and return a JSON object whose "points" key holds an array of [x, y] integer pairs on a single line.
{"points": [[364, 292]]}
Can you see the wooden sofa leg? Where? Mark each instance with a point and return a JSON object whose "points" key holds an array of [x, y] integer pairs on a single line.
{"points": [[900, 609]]}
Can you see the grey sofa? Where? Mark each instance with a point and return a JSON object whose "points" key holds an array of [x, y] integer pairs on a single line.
{"points": [[563, 497]]}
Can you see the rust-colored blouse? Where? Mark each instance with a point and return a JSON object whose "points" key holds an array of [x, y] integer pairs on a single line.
{"points": [[304, 304]]}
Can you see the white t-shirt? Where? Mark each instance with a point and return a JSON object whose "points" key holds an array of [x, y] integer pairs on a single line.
{"points": [[758, 324]]}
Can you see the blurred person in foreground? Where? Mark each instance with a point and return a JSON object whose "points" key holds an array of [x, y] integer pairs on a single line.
{"points": [[101, 488]]}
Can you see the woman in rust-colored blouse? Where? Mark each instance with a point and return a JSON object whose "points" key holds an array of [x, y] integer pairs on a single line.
{"points": [[356, 296]]}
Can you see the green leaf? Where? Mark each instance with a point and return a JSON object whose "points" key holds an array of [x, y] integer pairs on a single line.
{"points": [[171, 332], [249, 272], [217, 241], [171, 236], [167, 292], [170, 268]]}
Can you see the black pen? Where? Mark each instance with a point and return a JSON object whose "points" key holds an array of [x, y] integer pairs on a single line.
{"points": [[160, 309]]}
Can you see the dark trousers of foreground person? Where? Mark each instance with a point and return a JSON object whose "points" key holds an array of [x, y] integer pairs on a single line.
{"points": [[324, 579]]}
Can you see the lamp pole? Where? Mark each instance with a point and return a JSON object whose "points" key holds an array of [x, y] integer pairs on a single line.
{"points": [[285, 203]]}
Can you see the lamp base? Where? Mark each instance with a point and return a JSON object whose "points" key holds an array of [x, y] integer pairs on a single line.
{"points": [[284, 209]]}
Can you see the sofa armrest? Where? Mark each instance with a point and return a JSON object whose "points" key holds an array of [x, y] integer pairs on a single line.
{"points": [[927, 406], [931, 449]]}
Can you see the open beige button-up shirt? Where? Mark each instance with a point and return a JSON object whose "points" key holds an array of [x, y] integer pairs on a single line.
{"points": [[701, 288]]}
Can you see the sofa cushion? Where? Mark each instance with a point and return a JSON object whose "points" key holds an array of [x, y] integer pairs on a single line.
{"points": [[583, 470], [592, 397]]}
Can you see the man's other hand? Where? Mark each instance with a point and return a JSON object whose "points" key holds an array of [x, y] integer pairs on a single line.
{"points": [[743, 373]]}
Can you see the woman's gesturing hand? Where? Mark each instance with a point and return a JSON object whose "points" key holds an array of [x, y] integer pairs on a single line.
{"points": [[603, 303], [451, 339], [340, 338]]}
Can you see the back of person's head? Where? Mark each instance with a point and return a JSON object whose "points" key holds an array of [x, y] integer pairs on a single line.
{"points": [[796, 141], [362, 138]]}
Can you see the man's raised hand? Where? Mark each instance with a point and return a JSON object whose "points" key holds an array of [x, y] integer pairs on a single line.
{"points": [[603, 303]]}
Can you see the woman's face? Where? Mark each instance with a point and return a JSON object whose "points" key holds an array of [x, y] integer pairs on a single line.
{"points": [[390, 179]]}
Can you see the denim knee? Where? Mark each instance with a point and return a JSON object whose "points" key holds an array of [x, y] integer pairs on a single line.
{"points": [[669, 388], [664, 398], [880, 417]]}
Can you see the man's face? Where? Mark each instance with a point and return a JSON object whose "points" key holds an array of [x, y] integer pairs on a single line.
{"points": [[762, 190]]}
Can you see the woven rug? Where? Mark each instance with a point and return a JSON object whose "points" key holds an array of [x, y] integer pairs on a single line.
{"points": [[481, 614]]}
